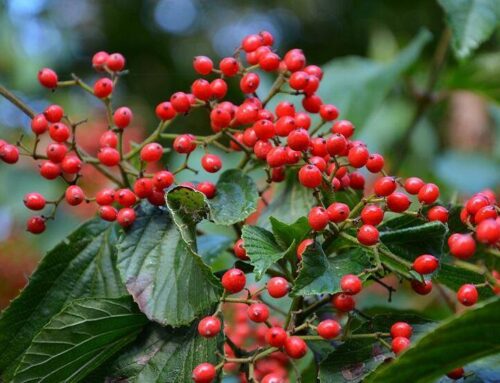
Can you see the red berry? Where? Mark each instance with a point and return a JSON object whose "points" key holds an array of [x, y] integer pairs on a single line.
{"points": [[122, 117], [488, 231], [276, 336], [402, 329], [163, 179], [467, 295], [218, 88], [201, 89], [258, 312], [59, 132], [428, 194], [375, 163], [303, 246], [318, 147], [126, 216], [234, 280], [329, 329], [399, 344], [398, 202], [298, 139], [284, 126], [152, 152], [249, 83], [220, 118], [229, 66], [103, 87], [368, 235], [184, 144], [211, 163], [125, 197], [49, 170], [53, 113], [56, 152], [425, 264], [108, 139], [34, 201], [108, 156], [203, 65], [422, 288], [328, 112], [385, 186], [462, 246], [180, 102], [39, 124], [357, 181], [115, 62], [71, 164], [99, 60], [338, 212], [143, 187], [318, 218], [36, 225], [207, 188], [343, 127], [277, 287], [302, 120], [438, 213], [285, 108], [413, 185], [156, 197], [314, 70], [246, 114], [312, 104], [239, 250], [336, 145], [209, 326], [108, 213], [295, 60], [9, 154], [204, 373], [295, 347], [351, 284], [264, 129], [48, 78], [165, 111], [372, 215], [269, 61], [74, 195], [277, 156], [252, 42], [262, 148], [456, 374], [105, 197], [475, 203], [310, 176], [484, 213], [343, 302]]}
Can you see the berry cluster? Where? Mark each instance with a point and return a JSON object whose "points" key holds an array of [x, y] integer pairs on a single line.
{"points": [[284, 140]]}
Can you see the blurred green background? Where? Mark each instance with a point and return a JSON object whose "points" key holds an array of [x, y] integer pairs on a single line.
{"points": [[376, 55]]}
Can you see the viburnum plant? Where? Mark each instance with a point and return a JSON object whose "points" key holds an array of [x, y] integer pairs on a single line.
{"points": [[131, 295]]}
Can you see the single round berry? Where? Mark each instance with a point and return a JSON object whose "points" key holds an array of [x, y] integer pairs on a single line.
{"points": [[249, 83], [338, 212], [328, 112], [413, 185], [276, 336], [428, 193], [125, 197], [401, 329], [211, 163], [163, 179], [318, 218], [329, 329], [36, 225], [438, 213], [9, 154], [122, 117], [343, 302], [298, 139], [39, 124], [467, 295], [99, 60], [399, 344], [207, 188], [48, 78], [203, 65], [484, 213], [108, 213], [351, 284], [143, 187], [53, 113], [50, 170], [475, 203], [239, 250], [71, 164], [115, 62], [258, 312], [59, 132], [372, 215], [310, 176], [234, 280], [165, 111], [184, 144], [425, 264], [55, 152], [312, 104], [277, 287], [209, 326], [368, 235], [108, 156], [336, 145], [34, 201], [343, 127], [152, 152], [103, 87], [126, 216], [421, 288], [108, 139], [375, 163], [488, 231], [74, 195], [358, 156], [456, 374], [462, 246], [229, 66], [204, 373], [398, 202], [180, 102], [201, 89], [295, 347], [105, 197], [384, 186]]}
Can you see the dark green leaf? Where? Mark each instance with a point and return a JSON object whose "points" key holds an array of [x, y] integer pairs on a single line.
{"points": [[161, 355], [350, 197], [262, 249], [167, 279], [405, 235], [210, 246], [287, 234], [236, 198], [80, 338], [354, 359], [319, 274], [454, 343], [455, 224], [471, 21], [454, 276], [83, 265]]}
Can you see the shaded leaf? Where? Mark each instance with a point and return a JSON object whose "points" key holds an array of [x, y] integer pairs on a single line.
{"points": [[80, 338], [287, 234], [166, 278], [83, 265], [455, 342], [454, 276], [210, 246]]}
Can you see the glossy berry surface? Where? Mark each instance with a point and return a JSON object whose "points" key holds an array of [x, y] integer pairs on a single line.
{"points": [[233, 280]]}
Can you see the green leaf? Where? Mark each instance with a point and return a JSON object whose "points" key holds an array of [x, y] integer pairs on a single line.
{"points": [[80, 338], [83, 265], [290, 202], [404, 237], [471, 21], [350, 197], [286, 234], [357, 86], [454, 276], [210, 246], [262, 248], [354, 359], [161, 355], [236, 198], [455, 342], [164, 275], [320, 275]]}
